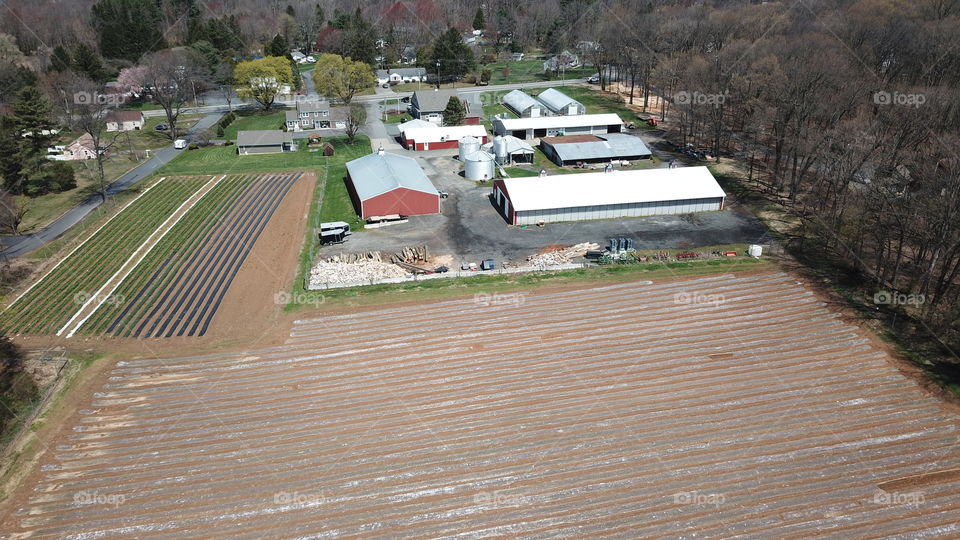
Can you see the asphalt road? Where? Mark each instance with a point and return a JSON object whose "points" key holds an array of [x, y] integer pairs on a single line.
{"points": [[16, 246]]}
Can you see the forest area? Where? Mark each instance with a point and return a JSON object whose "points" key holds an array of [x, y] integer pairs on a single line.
{"points": [[845, 112]]}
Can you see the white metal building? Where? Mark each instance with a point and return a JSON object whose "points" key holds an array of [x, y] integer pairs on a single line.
{"points": [[523, 104], [606, 195], [561, 104], [553, 126]]}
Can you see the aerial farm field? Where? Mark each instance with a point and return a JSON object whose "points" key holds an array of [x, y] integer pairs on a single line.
{"points": [[716, 406], [161, 267]]}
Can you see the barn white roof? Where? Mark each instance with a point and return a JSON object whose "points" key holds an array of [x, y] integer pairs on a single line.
{"points": [[555, 100], [445, 133], [415, 123], [520, 101], [547, 122], [617, 187]]}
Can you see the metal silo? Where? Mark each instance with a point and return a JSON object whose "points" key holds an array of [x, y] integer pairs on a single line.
{"points": [[478, 166], [500, 150], [468, 145]]}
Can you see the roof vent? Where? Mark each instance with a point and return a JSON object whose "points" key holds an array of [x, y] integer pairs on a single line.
{"points": [[543, 172], [380, 151]]}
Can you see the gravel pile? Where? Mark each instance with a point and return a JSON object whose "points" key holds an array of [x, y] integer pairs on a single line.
{"points": [[562, 256], [328, 272]]}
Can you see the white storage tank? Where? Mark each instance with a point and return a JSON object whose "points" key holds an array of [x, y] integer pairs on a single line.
{"points": [[478, 166], [500, 149], [755, 250], [468, 145]]}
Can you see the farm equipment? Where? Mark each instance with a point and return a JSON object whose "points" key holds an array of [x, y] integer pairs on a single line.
{"points": [[334, 232], [687, 255], [487, 264], [652, 121]]}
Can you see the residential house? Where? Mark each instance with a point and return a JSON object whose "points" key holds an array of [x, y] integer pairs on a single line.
{"points": [[79, 150], [314, 115], [429, 104], [401, 75], [124, 120], [564, 60], [266, 141]]}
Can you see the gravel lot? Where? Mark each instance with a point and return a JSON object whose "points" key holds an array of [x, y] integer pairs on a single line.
{"points": [[470, 229]]}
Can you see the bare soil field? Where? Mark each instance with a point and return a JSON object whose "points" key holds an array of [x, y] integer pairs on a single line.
{"points": [[717, 406]]}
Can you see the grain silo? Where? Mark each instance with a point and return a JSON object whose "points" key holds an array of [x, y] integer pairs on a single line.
{"points": [[478, 165], [468, 145]]}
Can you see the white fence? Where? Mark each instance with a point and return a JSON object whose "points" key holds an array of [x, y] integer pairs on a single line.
{"points": [[451, 274]]}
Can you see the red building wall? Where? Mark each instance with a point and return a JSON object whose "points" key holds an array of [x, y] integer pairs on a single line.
{"points": [[402, 201], [411, 144]]}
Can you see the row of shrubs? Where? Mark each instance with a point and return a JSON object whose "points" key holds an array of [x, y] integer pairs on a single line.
{"points": [[224, 122]]}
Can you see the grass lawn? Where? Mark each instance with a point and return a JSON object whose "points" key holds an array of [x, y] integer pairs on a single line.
{"points": [[143, 106], [598, 103], [149, 138], [250, 120], [395, 117], [305, 67], [531, 71]]}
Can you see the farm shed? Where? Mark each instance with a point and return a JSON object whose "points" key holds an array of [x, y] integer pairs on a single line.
{"points": [[383, 184], [604, 195], [553, 126], [593, 148], [436, 138], [264, 141], [509, 149], [523, 104], [560, 104]]}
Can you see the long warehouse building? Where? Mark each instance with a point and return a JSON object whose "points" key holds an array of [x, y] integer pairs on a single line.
{"points": [[606, 195], [556, 126]]}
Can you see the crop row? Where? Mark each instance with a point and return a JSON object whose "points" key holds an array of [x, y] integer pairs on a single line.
{"points": [[188, 302], [158, 268], [49, 304]]}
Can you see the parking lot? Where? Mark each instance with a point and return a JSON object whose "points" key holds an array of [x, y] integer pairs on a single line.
{"points": [[470, 228]]}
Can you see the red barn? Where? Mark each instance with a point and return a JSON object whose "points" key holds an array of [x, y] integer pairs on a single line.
{"points": [[437, 138], [383, 184]]}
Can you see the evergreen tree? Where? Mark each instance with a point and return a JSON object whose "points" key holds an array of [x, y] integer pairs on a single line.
{"points": [[277, 47], [31, 114], [478, 21], [128, 28], [319, 18], [454, 113], [291, 12], [196, 29], [87, 62], [455, 57], [60, 59], [11, 162], [361, 40]]}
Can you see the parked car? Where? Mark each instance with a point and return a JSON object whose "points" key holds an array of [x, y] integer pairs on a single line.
{"points": [[593, 79], [441, 269], [443, 194], [161, 127], [180, 144], [385, 85], [405, 99]]}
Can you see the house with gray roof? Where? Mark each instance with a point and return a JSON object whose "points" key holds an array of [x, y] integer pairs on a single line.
{"points": [[401, 75], [264, 141], [429, 104]]}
